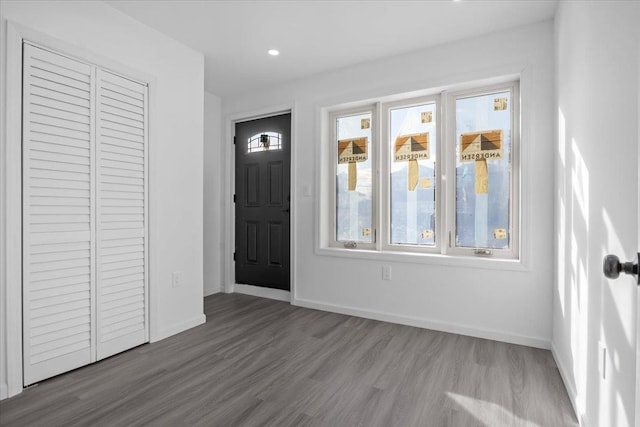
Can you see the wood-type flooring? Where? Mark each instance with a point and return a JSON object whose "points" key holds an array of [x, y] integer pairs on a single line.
{"points": [[259, 362]]}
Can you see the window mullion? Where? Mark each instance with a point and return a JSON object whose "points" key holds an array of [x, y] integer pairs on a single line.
{"points": [[380, 193], [450, 173]]}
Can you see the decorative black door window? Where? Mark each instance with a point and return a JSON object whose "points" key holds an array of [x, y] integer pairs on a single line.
{"points": [[264, 141]]}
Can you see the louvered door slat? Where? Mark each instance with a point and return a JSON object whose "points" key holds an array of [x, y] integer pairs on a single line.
{"points": [[60, 64], [110, 112], [57, 227], [119, 280], [77, 315], [121, 214], [61, 113], [60, 324], [60, 106], [122, 120], [60, 183], [43, 73], [43, 94]]}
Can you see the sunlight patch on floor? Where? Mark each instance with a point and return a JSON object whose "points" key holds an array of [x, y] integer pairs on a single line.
{"points": [[489, 413]]}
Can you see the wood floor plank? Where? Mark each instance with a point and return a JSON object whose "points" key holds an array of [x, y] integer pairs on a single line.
{"points": [[259, 362]]}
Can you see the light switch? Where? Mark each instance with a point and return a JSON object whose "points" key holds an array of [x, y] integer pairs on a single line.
{"points": [[176, 279]]}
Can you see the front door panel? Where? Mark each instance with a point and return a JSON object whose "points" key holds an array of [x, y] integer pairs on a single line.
{"points": [[262, 184]]}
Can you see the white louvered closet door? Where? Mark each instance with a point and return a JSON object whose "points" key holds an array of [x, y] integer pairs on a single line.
{"points": [[58, 220], [85, 281], [121, 214]]}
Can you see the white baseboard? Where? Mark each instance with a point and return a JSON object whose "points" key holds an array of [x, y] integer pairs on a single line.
{"points": [[427, 323], [259, 291], [569, 385], [208, 292], [180, 327], [3, 391]]}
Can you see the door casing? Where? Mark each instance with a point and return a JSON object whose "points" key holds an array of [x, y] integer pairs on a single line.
{"points": [[637, 412]]}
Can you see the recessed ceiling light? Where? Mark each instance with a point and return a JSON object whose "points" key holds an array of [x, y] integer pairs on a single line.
{"points": [[273, 52]]}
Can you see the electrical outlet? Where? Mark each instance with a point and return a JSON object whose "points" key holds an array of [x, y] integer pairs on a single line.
{"points": [[176, 279], [386, 272]]}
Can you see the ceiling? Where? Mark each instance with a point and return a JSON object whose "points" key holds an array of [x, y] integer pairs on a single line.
{"points": [[318, 36]]}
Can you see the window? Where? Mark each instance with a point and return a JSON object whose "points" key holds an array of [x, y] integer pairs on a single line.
{"points": [[483, 170], [437, 174], [265, 141], [354, 183], [412, 150]]}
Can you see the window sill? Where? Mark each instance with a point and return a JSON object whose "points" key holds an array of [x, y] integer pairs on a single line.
{"points": [[458, 261]]}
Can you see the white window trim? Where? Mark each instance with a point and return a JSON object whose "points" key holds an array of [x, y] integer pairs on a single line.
{"points": [[514, 194], [373, 109], [521, 75]]}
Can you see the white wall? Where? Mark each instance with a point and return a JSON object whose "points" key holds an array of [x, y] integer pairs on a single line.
{"points": [[213, 201], [497, 303], [176, 145], [596, 207]]}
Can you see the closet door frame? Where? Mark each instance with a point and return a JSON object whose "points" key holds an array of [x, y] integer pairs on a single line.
{"points": [[11, 208]]}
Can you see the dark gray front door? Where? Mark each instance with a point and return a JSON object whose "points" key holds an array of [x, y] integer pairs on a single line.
{"points": [[262, 201]]}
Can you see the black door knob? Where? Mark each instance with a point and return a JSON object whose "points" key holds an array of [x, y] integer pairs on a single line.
{"points": [[612, 267]]}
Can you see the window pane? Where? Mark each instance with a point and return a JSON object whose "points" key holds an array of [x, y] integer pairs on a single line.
{"points": [[354, 179], [412, 142], [483, 170], [264, 141]]}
